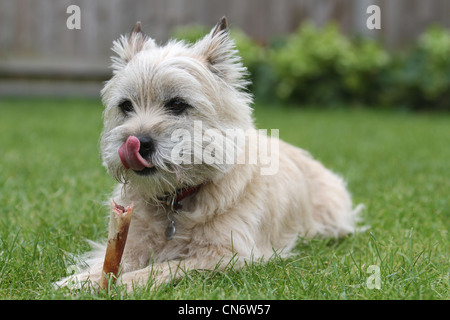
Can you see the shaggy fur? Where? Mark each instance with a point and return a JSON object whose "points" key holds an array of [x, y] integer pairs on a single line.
{"points": [[238, 213]]}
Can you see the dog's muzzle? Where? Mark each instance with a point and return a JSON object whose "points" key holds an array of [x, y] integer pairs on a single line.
{"points": [[134, 151]]}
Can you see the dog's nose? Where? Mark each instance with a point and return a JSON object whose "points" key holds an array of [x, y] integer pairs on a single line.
{"points": [[147, 146]]}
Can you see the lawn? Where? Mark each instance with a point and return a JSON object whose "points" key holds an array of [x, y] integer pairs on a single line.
{"points": [[52, 188]]}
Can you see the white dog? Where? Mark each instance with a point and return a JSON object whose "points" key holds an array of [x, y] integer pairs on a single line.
{"points": [[193, 209]]}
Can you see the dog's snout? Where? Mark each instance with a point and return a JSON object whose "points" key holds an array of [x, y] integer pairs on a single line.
{"points": [[147, 146]]}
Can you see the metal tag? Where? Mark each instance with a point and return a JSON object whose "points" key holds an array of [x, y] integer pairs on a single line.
{"points": [[170, 230]]}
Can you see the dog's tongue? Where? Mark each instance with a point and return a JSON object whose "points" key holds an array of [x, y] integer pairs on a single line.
{"points": [[130, 156]]}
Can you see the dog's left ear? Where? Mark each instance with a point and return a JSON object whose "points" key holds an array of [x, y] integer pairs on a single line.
{"points": [[222, 26], [218, 50], [127, 46]]}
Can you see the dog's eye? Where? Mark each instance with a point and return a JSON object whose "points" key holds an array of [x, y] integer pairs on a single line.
{"points": [[126, 107], [176, 106]]}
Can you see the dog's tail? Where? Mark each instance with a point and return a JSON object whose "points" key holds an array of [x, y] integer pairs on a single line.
{"points": [[340, 223]]}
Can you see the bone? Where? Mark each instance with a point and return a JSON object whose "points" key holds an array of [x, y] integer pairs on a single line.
{"points": [[119, 224]]}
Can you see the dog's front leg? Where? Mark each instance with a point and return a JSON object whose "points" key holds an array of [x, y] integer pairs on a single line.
{"points": [[160, 273]]}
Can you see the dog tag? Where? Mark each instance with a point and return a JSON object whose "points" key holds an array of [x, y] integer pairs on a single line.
{"points": [[170, 230]]}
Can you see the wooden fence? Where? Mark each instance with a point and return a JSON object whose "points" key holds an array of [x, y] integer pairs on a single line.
{"points": [[35, 43]]}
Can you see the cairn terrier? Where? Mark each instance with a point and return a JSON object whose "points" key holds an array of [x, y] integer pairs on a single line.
{"points": [[202, 198]]}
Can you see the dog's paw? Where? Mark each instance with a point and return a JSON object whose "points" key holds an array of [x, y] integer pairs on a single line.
{"points": [[131, 280], [85, 280]]}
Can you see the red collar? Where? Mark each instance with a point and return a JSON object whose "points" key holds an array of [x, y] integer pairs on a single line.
{"points": [[172, 201]]}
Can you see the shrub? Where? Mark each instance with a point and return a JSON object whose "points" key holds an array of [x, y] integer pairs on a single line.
{"points": [[321, 66], [421, 78]]}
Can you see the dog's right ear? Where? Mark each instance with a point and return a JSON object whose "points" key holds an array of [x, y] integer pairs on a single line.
{"points": [[218, 51], [127, 46]]}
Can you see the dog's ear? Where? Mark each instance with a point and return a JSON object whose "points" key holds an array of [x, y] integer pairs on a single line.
{"points": [[137, 28], [221, 26], [218, 50], [127, 46]]}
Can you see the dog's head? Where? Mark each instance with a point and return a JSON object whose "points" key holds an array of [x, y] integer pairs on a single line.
{"points": [[168, 109]]}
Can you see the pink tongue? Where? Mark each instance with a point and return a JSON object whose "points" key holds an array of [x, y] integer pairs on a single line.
{"points": [[130, 156]]}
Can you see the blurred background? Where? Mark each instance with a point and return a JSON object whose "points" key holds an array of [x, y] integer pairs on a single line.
{"points": [[371, 105], [298, 51]]}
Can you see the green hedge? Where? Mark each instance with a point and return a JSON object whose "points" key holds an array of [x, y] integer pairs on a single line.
{"points": [[321, 66], [420, 78]]}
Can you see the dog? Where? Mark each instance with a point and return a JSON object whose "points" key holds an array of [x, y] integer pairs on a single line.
{"points": [[193, 210]]}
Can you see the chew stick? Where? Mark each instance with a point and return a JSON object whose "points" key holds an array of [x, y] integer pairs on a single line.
{"points": [[118, 230]]}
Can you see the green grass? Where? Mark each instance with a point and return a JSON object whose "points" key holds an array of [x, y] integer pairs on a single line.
{"points": [[52, 186]]}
